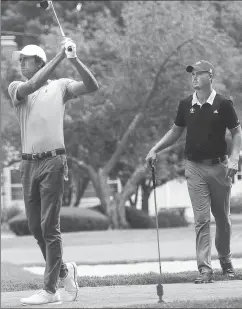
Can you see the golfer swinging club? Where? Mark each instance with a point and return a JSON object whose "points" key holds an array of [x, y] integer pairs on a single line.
{"points": [[40, 104], [206, 115]]}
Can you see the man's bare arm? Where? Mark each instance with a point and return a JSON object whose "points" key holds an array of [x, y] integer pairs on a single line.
{"points": [[89, 83], [169, 138], [235, 151], [38, 80], [236, 143]]}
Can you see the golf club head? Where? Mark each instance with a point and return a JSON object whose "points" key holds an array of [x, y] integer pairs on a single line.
{"points": [[44, 4], [160, 292]]}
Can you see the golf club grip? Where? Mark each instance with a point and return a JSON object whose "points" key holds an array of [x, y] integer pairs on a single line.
{"points": [[153, 175]]}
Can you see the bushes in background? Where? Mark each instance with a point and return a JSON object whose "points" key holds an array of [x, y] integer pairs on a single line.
{"points": [[71, 220], [138, 219], [19, 225], [236, 204], [172, 218], [8, 213], [86, 219]]}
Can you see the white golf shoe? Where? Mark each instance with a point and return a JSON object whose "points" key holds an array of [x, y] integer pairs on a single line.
{"points": [[41, 297], [70, 282]]}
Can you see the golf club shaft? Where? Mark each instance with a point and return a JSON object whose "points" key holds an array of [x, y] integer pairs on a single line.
{"points": [[61, 30], [156, 215]]}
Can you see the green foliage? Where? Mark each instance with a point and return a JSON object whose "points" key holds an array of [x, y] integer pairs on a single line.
{"points": [[171, 218], [7, 213], [71, 220], [19, 225], [138, 51], [236, 204], [138, 219], [82, 219]]}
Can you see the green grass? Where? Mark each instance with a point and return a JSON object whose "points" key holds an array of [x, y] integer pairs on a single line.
{"points": [[14, 278], [225, 303]]}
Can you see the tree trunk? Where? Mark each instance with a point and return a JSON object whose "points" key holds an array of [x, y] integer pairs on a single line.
{"points": [[73, 187], [133, 203], [83, 183], [146, 190]]}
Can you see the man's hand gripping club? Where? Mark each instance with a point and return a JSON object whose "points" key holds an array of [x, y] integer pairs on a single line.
{"points": [[70, 48]]}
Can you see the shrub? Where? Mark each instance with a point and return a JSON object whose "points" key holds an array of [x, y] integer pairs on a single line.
{"points": [[171, 218], [82, 219], [236, 204], [71, 220], [19, 225], [137, 219], [8, 213]]}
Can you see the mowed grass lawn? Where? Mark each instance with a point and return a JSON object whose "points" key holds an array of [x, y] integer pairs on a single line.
{"points": [[224, 303], [15, 278]]}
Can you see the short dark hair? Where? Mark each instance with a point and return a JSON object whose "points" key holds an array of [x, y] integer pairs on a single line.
{"points": [[40, 61]]}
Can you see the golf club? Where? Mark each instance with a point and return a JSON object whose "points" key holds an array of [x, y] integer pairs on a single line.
{"points": [[159, 287], [44, 4]]}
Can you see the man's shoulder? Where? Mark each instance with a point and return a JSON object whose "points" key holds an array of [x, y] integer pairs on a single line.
{"points": [[14, 83], [64, 80], [222, 98], [12, 89], [186, 101]]}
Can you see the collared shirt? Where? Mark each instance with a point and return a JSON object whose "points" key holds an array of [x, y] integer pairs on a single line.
{"points": [[41, 114], [206, 125], [209, 100]]}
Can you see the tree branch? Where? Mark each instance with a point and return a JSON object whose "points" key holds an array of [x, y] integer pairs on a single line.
{"points": [[86, 167], [131, 184], [121, 144], [162, 66]]}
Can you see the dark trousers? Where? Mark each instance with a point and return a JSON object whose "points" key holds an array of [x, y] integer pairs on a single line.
{"points": [[43, 186]]}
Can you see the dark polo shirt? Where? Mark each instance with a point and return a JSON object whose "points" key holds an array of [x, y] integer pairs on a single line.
{"points": [[206, 126]]}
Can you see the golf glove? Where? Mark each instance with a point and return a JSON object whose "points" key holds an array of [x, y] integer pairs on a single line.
{"points": [[70, 49]]}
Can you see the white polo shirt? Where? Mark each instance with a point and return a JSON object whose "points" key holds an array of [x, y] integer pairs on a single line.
{"points": [[41, 115]]}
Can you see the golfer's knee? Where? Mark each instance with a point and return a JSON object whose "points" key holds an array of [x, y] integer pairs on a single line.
{"points": [[36, 231], [201, 223], [50, 233]]}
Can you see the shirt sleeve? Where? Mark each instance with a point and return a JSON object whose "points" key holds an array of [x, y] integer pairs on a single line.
{"points": [[180, 116], [231, 118], [67, 94], [12, 90]]}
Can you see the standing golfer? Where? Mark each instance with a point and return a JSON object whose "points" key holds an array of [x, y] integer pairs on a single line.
{"points": [[206, 115], [40, 104]]}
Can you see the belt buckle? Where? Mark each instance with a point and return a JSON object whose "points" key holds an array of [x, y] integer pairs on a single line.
{"points": [[34, 156], [53, 153]]}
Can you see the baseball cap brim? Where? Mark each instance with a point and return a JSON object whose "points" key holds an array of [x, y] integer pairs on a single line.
{"points": [[18, 53], [189, 68]]}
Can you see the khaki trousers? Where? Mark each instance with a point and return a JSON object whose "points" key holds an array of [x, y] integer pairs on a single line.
{"points": [[210, 189]]}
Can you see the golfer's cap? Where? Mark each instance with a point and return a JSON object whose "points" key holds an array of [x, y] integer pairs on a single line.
{"points": [[201, 65], [30, 50]]}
